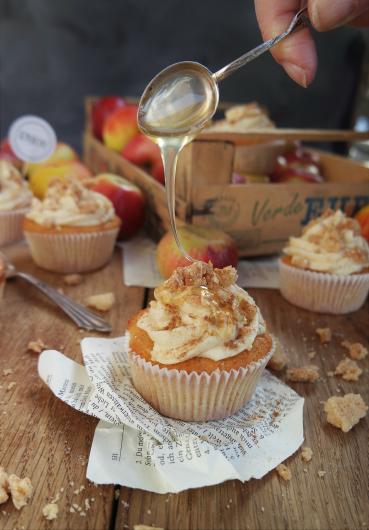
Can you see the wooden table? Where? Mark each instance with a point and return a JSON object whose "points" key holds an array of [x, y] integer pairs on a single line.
{"points": [[44, 439]]}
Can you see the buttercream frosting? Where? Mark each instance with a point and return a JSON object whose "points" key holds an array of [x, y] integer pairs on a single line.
{"points": [[201, 312], [70, 203], [331, 243], [14, 192]]}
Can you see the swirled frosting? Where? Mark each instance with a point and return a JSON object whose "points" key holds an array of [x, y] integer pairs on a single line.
{"points": [[201, 312], [241, 118], [69, 203], [331, 243], [14, 192]]}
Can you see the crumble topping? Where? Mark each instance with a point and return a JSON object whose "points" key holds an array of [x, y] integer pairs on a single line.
{"points": [[348, 370], [355, 349], [284, 472], [201, 274], [101, 302], [303, 374], [324, 334], [345, 412], [21, 490], [306, 454], [50, 511]]}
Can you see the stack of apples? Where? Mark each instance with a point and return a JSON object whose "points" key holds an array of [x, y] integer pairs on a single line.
{"points": [[114, 121]]}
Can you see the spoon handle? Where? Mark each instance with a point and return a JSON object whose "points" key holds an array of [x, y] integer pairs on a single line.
{"points": [[299, 20]]}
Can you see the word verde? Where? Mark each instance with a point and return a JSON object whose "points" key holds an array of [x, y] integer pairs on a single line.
{"points": [[263, 212]]}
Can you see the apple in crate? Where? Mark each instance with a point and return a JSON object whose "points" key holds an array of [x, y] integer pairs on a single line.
{"points": [[127, 199], [203, 244], [363, 218], [145, 153], [120, 127], [297, 174], [7, 153], [101, 109]]}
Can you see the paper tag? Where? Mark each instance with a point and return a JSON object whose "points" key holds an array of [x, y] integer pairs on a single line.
{"points": [[32, 139]]}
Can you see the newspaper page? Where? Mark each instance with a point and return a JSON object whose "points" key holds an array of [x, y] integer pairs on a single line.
{"points": [[137, 447]]}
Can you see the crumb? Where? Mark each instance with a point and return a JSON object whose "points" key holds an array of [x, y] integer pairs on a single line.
{"points": [[7, 371], [330, 374], [72, 510], [78, 490], [311, 354], [101, 302], [279, 358], [321, 473], [149, 512], [305, 470], [87, 505], [355, 349], [262, 509], [60, 290], [73, 279], [306, 454], [11, 385], [50, 511], [4, 486], [21, 490], [82, 514], [348, 370], [145, 527], [325, 334], [284, 472], [303, 374], [345, 412], [36, 346]]}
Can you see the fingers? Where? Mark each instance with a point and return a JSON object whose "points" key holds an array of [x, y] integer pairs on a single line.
{"points": [[329, 14], [297, 52]]}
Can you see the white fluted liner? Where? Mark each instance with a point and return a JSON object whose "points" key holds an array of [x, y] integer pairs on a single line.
{"points": [[67, 253], [192, 396], [11, 225], [323, 292]]}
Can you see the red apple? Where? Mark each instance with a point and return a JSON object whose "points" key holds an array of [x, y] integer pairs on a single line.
{"points": [[298, 159], [101, 109], [128, 201], [203, 244], [363, 218], [120, 127], [297, 175], [7, 153], [145, 153]]}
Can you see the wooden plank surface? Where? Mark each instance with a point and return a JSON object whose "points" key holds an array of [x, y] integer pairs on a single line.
{"points": [[339, 500], [44, 439], [41, 437]]}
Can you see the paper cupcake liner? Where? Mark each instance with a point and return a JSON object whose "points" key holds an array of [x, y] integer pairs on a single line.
{"points": [[11, 225], [67, 253], [195, 396], [323, 292]]}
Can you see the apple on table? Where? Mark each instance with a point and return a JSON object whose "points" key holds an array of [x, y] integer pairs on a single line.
{"points": [[201, 243], [128, 201]]}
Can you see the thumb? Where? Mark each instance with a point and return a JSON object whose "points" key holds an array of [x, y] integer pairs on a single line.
{"points": [[329, 14]]}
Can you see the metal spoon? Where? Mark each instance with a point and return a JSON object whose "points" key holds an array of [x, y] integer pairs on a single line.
{"points": [[82, 316], [194, 89]]}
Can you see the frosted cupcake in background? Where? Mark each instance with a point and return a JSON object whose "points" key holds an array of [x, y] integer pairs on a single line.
{"points": [[15, 200], [198, 350], [327, 269], [73, 229]]}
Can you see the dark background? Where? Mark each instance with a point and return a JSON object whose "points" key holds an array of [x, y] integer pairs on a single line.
{"points": [[54, 52]]}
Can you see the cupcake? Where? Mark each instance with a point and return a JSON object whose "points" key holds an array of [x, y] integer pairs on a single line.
{"points": [[73, 229], [326, 269], [15, 200], [198, 351]]}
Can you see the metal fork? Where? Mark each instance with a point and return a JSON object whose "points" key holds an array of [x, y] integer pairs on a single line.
{"points": [[83, 317]]}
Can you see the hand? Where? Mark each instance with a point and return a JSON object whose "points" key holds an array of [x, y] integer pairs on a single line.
{"points": [[297, 54]]}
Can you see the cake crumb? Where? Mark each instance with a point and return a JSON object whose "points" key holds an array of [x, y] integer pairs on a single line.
{"points": [[279, 358], [330, 373], [355, 349], [311, 354], [7, 371], [303, 374], [284, 472], [345, 412], [325, 334], [262, 509], [305, 470], [73, 279], [50, 511], [306, 454], [4, 485], [348, 370], [101, 302], [36, 346], [321, 473], [21, 490], [11, 385]]}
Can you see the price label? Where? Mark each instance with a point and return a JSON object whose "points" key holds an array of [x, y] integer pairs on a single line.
{"points": [[32, 139]]}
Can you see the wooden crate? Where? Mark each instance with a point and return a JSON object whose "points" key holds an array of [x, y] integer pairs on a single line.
{"points": [[260, 217]]}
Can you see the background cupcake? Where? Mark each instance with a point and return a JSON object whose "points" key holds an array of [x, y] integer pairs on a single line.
{"points": [[198, 351], [72, 230], [327, 269], [15, 200]]}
